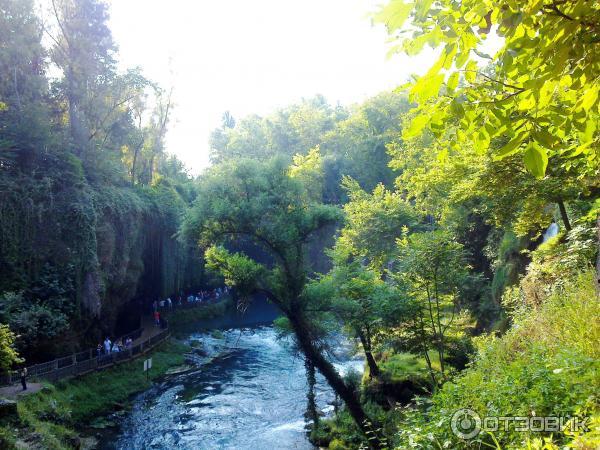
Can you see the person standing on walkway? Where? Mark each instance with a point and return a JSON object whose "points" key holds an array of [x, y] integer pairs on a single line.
{"points": [[157, 318], [107, 345], [24, 378]]}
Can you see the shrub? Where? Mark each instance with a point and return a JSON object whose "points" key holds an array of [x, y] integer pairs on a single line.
{"points": [[7, 438], [8, 354], [337, 444]]}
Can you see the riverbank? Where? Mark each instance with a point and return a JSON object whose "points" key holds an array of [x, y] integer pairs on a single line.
{"points": [[183, 317], [545, 366], [53, 417], [64, 414]]}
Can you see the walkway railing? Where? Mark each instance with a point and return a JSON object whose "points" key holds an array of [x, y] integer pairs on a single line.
{"points": [[84, 362], [190, 305]]}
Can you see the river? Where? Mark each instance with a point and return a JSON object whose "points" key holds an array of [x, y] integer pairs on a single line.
{"points": [[252, 397]]}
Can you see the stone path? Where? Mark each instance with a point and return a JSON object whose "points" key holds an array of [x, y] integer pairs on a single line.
{"points": [[149, 329], [12, 392]]}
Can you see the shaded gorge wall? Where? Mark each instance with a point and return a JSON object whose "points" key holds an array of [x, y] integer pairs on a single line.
{"points": [[73, 256]]}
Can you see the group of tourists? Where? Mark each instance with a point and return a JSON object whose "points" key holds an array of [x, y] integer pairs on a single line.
{"points": [[202, 296], [108, 347], [206, 296]]}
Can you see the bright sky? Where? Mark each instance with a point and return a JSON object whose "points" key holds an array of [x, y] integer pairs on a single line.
{"points": [[253, 56]]}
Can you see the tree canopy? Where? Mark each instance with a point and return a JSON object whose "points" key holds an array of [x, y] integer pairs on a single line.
{"points": [[537, 95]]}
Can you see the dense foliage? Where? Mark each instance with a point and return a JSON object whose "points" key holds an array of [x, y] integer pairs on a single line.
{"points": [[352, 141], [89, 201]]}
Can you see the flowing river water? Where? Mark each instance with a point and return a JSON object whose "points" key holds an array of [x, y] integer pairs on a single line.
{"points": [[253, 396]]}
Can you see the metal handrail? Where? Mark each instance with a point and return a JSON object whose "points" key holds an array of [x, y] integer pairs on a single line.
{"points": [[83, 362]]}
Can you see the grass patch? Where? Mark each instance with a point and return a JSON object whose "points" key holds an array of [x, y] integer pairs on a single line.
{"points": [[403, 366], [181, 317]]}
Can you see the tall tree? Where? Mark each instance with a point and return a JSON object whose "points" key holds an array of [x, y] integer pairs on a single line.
{"points": [[537, 97], [84, 50], [24, 112], [262, 203], [374, 222], [432, 268], [363, 303]]}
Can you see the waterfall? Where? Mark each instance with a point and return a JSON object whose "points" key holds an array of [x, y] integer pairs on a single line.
{"points": [[551, 231]]}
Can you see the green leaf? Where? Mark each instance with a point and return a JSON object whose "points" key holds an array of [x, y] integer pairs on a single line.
{"points": [[461, 59], [471, 71], [536, 159], [452, 82], [457, 108], [526, 103], [414, 46], [416, 126], [394, 14], [481, 141], [512, 147], [422, 8], [547, 139], [589, 98], [426, 87]]}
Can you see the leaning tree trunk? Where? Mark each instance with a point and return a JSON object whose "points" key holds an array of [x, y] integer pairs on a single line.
{"points": [[563, 214], [311, 402], [308, 347], [373, 368]]}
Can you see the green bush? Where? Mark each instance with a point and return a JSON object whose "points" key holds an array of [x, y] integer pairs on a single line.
{"points": [[337, 444], [7, 438]]}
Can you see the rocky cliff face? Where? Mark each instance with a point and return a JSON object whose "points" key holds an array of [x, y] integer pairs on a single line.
{"points": [[73, 256]]}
